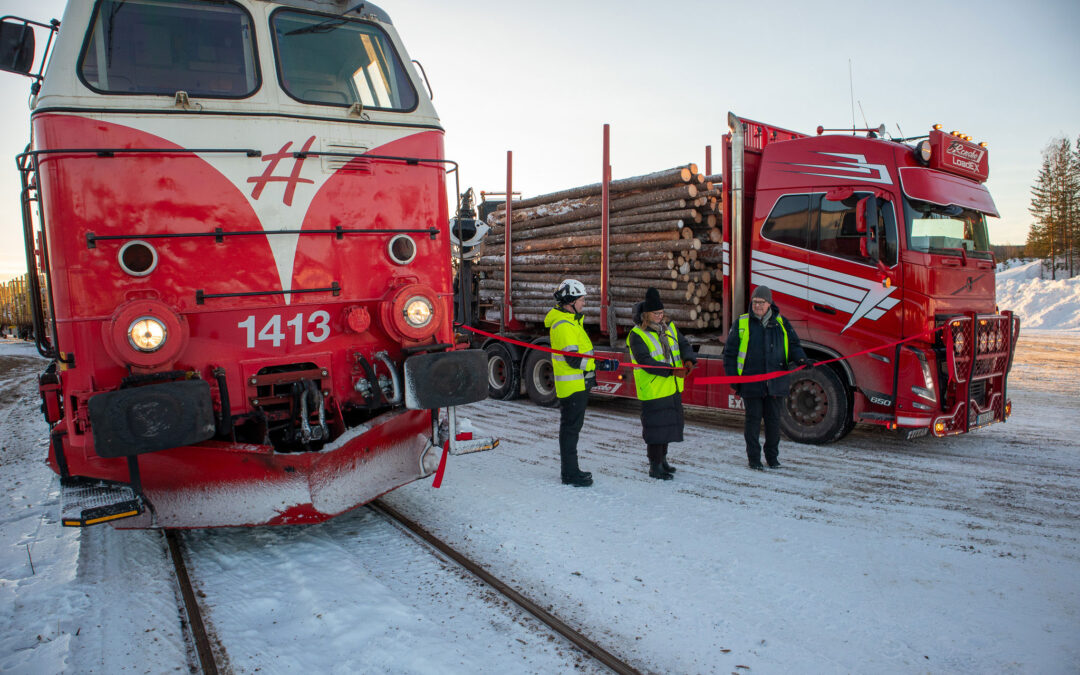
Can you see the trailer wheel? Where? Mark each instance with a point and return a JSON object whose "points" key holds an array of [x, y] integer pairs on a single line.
{"points": [[504, 381], [816, 409], [540, 378]]}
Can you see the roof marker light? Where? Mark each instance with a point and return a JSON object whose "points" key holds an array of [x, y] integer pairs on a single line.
{"points": [[936, 127]]}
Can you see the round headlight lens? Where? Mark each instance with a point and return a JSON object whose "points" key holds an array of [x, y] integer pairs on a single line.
{"points": [[418, 311], [147, 334], [923, 151]]}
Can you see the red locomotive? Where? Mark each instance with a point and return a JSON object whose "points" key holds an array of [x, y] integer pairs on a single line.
{"points": [[242, 215]]}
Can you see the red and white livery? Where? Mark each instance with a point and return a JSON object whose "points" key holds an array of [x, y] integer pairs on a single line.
{"points": [[242, 213]]}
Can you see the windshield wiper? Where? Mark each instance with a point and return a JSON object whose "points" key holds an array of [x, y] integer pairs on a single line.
{"points": [[327, 25]]}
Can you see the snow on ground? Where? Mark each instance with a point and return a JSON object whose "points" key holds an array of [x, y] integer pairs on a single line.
{"points": [[870, 555], [1040, 302]]}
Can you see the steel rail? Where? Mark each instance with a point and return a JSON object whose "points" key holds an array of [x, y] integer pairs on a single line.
{"points": [[555, 623], [191, 606]]}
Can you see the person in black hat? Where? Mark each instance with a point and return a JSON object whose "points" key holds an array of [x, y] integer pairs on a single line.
{"points": [[760, 342], [655, 342]]}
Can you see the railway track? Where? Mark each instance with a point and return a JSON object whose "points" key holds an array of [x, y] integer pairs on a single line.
{"points": [[207, 654], [574, 636], [199, 636]]}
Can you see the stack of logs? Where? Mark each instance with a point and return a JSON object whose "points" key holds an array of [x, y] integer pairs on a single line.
{"points": [[658, 225]]}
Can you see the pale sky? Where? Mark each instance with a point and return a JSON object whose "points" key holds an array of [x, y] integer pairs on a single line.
{"points": [[541, 78]]}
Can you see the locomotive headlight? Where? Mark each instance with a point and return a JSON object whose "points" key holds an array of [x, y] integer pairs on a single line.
{"points": [[147, 334], [959, 343], [418, 311]]}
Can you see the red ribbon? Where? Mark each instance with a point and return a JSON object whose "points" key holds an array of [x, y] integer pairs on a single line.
{"points": [[442, 465], [716, 379]]}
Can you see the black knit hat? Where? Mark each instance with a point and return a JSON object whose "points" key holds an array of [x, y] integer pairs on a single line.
{"points": [[652, 301], [762, 292]]}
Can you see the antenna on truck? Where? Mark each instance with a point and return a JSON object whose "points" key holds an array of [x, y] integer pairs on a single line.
{"points": [[851, 88]]}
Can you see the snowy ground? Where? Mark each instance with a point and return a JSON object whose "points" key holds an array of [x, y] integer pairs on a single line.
{"points": [[871, 555]]}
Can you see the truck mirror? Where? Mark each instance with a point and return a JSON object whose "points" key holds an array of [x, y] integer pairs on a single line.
{"points": [[866, 213], [16, 47]]}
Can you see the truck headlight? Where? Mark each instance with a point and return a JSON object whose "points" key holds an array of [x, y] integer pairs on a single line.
{"points": [[147, 334]]}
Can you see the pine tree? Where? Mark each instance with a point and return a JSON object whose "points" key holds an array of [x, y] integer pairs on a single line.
{"points": [[1055, 204]]}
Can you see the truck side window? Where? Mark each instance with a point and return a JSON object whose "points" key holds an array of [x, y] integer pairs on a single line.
{"points": [[165, 46], [789, 220], [837, 234]]}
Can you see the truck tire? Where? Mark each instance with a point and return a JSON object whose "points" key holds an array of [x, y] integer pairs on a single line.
{"points": [[504, 380], [816, 409], [540, 379]]}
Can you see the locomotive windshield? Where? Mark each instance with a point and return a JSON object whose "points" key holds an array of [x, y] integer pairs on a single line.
{"points": [[945, 229], [339, 62], [166, 46]]}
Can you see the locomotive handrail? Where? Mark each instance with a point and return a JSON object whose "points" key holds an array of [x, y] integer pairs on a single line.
{"points": [[112, 152], [201, 296], [220, 234]]}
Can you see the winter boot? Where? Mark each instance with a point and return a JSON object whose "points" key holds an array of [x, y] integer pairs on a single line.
{"points": [[581, 479], [656, 470], [571, 474], [667, 467]]}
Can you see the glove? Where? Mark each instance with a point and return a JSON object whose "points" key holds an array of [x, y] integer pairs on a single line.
{"points": [[679, 372], [608, 365], [590, 381], [805, 362], [690, 366]]}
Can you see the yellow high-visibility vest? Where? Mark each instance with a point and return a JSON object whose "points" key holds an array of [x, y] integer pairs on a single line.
{"points": [[744, 337], [651, 386], [568, 335]]}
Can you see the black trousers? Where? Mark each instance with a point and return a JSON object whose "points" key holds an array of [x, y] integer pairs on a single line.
{"points": [[573, 416], [656, 452], [756, 408]]}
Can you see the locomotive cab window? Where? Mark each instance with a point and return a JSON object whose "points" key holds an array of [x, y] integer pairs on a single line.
{"points": [[165, 46], [338, 61]]}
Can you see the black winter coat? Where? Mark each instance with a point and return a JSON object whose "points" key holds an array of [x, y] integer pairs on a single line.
{"points": [[661, 418], [764, 354]]}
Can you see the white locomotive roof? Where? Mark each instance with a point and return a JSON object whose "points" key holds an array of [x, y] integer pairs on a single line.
{"points": [[364, 10]]}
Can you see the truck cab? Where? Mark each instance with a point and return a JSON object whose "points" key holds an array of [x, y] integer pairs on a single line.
{"points": [[875, 248]]}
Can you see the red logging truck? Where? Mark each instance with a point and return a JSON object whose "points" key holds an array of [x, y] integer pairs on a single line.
{"points": [[866, 243], [243, 220]]}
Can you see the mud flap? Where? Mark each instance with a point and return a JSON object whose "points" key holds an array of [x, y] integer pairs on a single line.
{"points": [[151, 418], [445, 379]]}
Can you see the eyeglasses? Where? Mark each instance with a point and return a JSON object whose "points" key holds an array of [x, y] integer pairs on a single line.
{"points": [[760, 302]]}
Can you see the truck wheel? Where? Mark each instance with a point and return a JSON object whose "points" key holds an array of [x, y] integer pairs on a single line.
{"points": [[540, 378], [504, 381], [816, 409]]}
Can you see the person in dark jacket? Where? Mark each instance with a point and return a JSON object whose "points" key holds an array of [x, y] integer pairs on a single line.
{"points": [[655, 342], [760, 342]]}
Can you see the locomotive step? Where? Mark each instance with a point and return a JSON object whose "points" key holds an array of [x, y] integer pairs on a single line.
{"points": [[89, 501]]}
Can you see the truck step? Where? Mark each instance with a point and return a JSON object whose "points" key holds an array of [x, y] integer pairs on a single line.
{"points": [[89, 501]]}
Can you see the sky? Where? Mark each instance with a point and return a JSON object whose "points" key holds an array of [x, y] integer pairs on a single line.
{"points": [[541, 79]]}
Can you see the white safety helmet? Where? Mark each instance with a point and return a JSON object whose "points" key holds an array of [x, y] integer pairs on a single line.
{"points": [[569, 290]]}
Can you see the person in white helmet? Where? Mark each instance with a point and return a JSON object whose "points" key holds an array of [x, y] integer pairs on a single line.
{"points": [[574, 375]]}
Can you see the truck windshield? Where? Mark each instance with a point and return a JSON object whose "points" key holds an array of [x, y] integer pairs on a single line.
{"points": [[932, 228], [339, 62], [166, 46]]}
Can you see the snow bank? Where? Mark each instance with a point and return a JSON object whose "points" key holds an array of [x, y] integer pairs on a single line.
{"points": [[1041, 303]]}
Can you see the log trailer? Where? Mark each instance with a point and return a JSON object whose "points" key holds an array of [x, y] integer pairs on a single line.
{"points": [[866, 242]]}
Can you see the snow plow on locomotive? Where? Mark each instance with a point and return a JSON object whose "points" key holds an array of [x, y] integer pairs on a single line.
{"points": [[244, 226]]}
